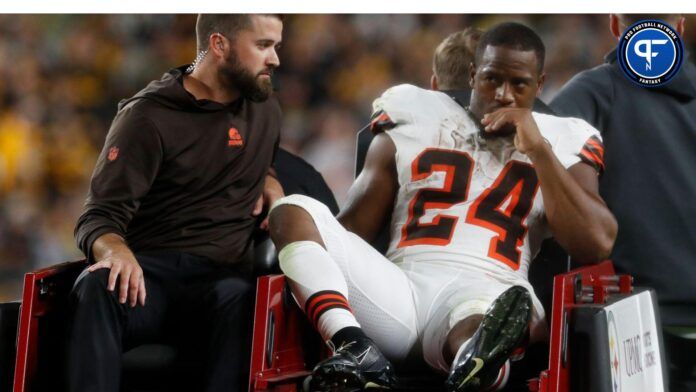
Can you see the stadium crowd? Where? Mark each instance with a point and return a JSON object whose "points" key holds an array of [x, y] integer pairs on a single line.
{"points": [[61, 77]]}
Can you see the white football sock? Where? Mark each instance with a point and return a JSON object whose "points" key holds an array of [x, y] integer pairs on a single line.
{"points": [[318, 286]]}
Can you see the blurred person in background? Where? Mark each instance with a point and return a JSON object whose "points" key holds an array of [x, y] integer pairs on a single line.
{"points": [[167, 226], [649, 184], [452, 59]]}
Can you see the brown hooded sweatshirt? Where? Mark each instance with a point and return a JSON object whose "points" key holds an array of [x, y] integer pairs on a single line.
{"points": [[181, 174]]}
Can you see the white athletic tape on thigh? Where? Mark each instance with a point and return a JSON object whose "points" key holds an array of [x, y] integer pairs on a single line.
{"points": [[467, 309]]}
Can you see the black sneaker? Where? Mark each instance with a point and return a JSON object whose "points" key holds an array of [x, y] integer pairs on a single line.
{"points": [[355, 366], [503, 328]]}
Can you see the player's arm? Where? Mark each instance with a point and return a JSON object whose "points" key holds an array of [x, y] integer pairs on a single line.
{"points": [[577, 215], [371, 197]]}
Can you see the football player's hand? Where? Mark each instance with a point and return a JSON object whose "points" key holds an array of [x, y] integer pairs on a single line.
{"points": [[272, 191], [528, 139], [131, 285]]}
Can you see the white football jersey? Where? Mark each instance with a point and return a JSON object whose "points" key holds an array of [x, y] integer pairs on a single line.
{"points": [[463, 198]]}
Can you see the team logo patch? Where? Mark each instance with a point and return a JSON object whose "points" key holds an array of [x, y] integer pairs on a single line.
{"points": [[113, 154], [614, 358], [235, 138], [650, 53]]}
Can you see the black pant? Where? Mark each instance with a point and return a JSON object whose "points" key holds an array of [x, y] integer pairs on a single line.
{"points": [[681, 362], [203, 309]]}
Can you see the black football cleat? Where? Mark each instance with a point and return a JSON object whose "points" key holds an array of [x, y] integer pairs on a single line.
{"points": [[502, 330], [355, 366]]}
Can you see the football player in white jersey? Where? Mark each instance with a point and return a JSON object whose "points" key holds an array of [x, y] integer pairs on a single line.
{"points": [[468, 194]]}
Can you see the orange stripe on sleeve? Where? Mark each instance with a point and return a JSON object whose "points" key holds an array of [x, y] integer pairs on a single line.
{"points": [[380, 122], [592, 160], [595, 145]]}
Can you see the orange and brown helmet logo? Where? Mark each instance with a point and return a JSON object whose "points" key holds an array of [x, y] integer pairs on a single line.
{"points": [[235, 138]]}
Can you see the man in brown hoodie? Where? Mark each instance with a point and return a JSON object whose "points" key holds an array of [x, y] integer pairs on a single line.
{"points": [[174, 199]]}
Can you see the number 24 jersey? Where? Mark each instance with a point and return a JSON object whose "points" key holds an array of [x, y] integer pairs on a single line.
{"points": [[464, 198]]}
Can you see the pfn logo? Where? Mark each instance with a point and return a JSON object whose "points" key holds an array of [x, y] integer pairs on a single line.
{"points": [[647, 52], [650, 53]]}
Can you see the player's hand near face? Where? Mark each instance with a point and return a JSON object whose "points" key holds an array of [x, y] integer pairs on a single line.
{"points": [[528, 139]]}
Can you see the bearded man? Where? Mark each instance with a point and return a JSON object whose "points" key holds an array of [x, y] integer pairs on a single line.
{"points": [[167, 225]]}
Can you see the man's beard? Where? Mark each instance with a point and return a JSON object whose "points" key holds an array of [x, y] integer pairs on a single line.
{"points": [[235, 77]]}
